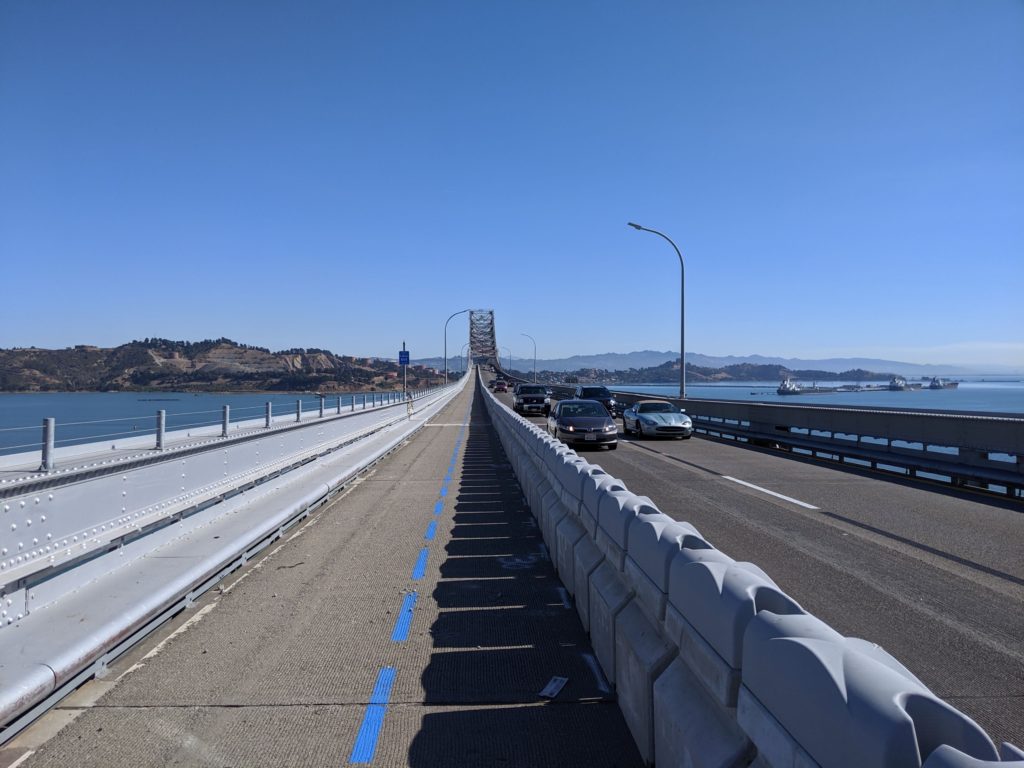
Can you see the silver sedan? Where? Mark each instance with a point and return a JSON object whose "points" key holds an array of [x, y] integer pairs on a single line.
{"points": [[656, 418]]}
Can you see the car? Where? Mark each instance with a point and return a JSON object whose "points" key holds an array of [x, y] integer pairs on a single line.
{"points": [[583, 422], [656, 418], [500, 386], [530, 398], [602, 395]]}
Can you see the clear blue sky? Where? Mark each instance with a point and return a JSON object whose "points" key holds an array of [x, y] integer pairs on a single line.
{"points": [[843, 178]]}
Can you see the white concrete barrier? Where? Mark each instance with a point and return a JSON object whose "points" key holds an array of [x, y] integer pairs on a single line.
{"points": [[712, 663]]}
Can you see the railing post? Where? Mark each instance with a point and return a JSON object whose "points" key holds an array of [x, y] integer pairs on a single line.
{"points": [[364, 402], [270, 414], [353, 402], [322, 398], [339, 403], [161, 429], [298, 410], [225, 420], [49, 427]]}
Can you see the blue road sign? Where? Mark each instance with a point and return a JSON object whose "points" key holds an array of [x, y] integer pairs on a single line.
{"points": [[403, 357]]}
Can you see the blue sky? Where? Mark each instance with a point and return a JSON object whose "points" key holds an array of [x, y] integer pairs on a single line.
{"points": [[843, 178]]}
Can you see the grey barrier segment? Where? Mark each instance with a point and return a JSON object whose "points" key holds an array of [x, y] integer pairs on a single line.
{"points": [[881, 715], [268, 415], [696, 716], [567, 535], [298, 410], [654, 540], [76, 655], [951, 757], [225, 421]]}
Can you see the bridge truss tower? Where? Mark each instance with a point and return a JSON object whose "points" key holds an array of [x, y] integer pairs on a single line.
{"points": [[483, 347]]}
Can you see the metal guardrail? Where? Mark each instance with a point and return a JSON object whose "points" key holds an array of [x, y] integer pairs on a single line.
{"points": [[132, 430], [41, 661], [58, 520], [961, 449]]}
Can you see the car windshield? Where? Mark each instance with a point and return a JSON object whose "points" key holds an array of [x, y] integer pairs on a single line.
{"points": [[594, 392], [657, 408], [531, 390], [583, 409]]}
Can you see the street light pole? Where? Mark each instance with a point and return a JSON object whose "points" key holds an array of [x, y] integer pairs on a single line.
{"points": [[682, 307], [453, 314], [534, 355]]}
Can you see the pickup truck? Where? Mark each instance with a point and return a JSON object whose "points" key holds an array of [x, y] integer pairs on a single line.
{"points": [[531, 398]]}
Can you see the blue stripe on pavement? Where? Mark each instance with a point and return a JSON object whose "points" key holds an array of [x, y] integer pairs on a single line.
{"points": [[444, 490], [421, 564], [438, 507], [431, 530], [401, 631], [369, 731]]}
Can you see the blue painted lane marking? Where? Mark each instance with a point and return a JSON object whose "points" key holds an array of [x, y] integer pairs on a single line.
{"points": [[431, 531], [421, 564], [369, 731], [438, 507], [401, 631], [444, 490]]}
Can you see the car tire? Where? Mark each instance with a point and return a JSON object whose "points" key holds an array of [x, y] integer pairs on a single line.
{"points": [[612, 446]]}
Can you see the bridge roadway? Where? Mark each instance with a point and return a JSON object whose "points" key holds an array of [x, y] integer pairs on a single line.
{"points": [[430, 567], [934, 577]]}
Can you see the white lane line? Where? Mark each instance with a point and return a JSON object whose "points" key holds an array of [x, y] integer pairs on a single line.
{"points": [[803, 504], [22, 759]]}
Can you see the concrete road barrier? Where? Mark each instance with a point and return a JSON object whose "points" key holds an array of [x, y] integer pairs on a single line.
{"points": [[567, 535], [586, 558], [653, 542], [809, 692], [616, 512], [714, 666]]}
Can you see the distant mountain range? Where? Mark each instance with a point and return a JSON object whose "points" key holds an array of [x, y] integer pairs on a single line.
{"points": [[214, 364], [624, 361], [221, 364]]}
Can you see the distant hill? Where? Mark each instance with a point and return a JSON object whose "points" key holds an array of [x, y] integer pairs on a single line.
{"points": [[617, 361], [221, 364], [612, 361], [832, 364], [668, 373]]}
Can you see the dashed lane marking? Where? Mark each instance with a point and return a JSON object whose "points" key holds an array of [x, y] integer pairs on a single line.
{"points": [[790, 499]]}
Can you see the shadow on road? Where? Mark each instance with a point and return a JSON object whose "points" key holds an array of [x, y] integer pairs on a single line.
{"points": [[504, 630]]}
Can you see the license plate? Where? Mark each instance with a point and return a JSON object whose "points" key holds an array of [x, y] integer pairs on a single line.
{"points": [[590, 436]]}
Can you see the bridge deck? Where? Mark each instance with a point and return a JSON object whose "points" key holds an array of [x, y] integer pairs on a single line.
{"points": [[934, 577], [280, 666]]}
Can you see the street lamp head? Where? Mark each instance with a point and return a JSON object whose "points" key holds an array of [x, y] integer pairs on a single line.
{"points": [[634, 226]]}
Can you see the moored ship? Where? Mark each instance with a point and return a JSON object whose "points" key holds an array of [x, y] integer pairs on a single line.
{"points": [[789, 387]]}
